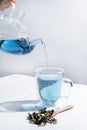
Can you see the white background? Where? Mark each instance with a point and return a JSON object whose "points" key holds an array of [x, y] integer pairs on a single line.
{"points": [[62, 24]]}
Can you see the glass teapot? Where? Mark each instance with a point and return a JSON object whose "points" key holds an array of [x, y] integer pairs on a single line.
{"points": [[13, 34]]}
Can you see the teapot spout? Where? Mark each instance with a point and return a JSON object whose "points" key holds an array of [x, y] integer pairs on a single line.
{"points": [[35, 42]]}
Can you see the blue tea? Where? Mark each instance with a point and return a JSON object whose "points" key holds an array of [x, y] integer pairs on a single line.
{"points": [[16, 46], [49, 89]]}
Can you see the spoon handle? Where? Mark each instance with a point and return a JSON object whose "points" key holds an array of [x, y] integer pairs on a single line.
{"points": [[62, 110]]}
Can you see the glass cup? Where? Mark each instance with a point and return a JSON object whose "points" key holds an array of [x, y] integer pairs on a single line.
{"points": [[49, 82]]}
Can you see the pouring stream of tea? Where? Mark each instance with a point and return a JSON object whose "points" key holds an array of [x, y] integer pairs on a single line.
{"points": [[45, 53]]}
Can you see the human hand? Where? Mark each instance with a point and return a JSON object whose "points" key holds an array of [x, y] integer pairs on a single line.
{"points": [[6, 4]]}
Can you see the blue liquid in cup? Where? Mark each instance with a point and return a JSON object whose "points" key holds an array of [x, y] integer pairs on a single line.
{"points": [[49, 89]]}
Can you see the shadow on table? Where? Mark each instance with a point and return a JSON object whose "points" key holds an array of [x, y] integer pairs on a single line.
{"points": [[19, 106]]}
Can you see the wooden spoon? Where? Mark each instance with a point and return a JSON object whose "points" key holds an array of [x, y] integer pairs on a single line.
{"points": [[62, 110]]}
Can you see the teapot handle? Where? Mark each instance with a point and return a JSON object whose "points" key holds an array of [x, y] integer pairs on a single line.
{"points": [[13, 8], [20, 15], [9, 14]]}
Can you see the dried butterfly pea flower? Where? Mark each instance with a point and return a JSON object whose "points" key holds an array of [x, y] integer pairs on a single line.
{"points": [[42, 111], [42, 117], [52, 121], [48, 113]]}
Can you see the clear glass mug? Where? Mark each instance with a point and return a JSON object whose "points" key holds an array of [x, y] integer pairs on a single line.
{"points": [[49, 82]]}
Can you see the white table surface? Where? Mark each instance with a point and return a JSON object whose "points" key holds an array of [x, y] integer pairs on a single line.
{"points": [[22, 87]]}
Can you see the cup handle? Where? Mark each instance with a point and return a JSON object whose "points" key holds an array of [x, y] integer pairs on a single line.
{"points": [[68, 81], [66, 88]]}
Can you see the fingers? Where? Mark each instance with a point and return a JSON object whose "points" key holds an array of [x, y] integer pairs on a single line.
{"points": [[3, 6], [6, 4], [14, 1]]}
